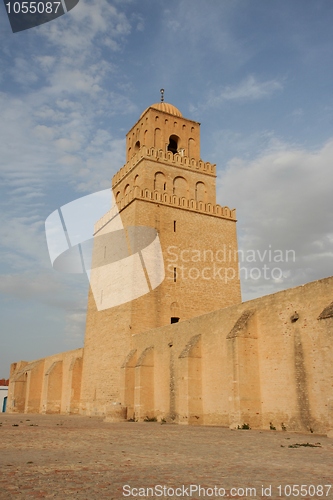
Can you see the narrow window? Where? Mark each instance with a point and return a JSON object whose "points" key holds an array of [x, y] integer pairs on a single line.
{"points": [[174, 226], [173, 144], [164, 186], [174, 320], [174, 274]]}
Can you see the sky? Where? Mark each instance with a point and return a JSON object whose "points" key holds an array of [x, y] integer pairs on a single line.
{"points": [[257, 75]]}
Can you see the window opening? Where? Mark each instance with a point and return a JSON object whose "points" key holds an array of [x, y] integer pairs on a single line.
{"points": [[173, 144], [174, 226], [174, 319], [174, 274]]}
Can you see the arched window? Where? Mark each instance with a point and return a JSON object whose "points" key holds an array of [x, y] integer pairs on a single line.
{"points": [[127, 189], [173, 143], [175, 312], [137, 146]]}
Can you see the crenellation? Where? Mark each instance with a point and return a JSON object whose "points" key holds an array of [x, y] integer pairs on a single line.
{"points": [[168, 158], [165, 199]]}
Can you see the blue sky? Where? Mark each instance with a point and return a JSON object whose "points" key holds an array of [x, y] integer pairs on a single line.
{"points": [[258, 76]]}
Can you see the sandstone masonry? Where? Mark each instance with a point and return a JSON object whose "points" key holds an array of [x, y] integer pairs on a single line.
{"points": [[187, 351]]}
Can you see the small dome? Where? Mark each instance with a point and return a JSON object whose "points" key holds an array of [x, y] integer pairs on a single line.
{"points": [[166, 107]]}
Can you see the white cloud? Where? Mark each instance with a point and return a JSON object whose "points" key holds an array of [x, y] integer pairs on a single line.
{"points": [[43, 128], [284, 202], [76, 33], [249, 89]]}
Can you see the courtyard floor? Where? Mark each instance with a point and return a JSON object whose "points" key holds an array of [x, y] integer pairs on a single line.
{"points": [[75, 457]]}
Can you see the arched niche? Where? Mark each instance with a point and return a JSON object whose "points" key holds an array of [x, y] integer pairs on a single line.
{"points": [[191, 147], [200, 191], [157, 138], [159, 181], [180, 187]]}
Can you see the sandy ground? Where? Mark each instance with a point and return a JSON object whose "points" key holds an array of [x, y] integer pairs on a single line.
{"points": [[65, 457]]}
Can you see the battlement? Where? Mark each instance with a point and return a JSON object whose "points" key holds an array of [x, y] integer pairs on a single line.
{"points": [[168, 200], [164, 157]]}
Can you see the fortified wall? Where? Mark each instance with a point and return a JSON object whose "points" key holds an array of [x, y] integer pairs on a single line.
{"points": [[265, 361], [48, 385]]}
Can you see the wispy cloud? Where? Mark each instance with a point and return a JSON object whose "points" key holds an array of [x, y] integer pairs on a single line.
{"points": [[57, 104], [250, 89]]}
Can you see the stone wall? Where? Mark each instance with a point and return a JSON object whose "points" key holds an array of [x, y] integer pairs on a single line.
{"points": [[266, 362], [49, 385]]}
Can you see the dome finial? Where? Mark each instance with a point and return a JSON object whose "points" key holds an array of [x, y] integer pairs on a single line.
{"points": [[162, 95]]}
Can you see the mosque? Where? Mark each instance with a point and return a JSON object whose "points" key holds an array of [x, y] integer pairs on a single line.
{"points": [[168, 337]]}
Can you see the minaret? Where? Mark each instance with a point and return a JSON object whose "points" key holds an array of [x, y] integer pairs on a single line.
{"points": [[164, 185]]}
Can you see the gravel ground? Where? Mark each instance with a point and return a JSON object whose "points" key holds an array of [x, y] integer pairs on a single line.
{"points": [[65, 457]]}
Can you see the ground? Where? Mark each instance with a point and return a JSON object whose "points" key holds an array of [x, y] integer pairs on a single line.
{"points": [[76, 457]]}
